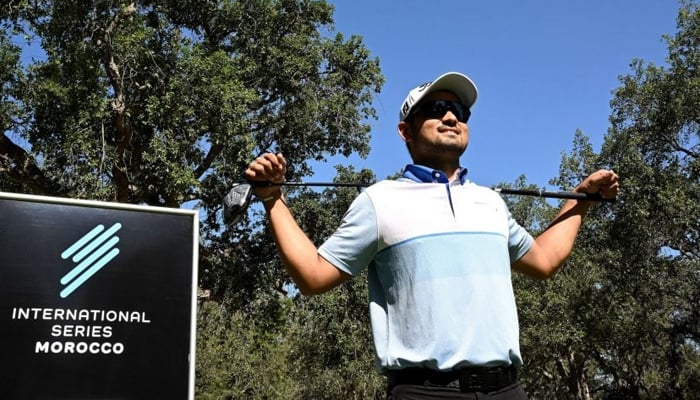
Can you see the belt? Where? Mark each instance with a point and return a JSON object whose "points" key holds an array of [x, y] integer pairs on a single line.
{"points": [[472, 379]]}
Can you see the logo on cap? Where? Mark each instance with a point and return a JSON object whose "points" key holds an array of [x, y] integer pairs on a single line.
{"points": [[406, 107], [92, 252], [424, 86]]}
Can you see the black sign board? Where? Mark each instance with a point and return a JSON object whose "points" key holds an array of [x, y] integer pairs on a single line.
{"points": [[97, 300]]}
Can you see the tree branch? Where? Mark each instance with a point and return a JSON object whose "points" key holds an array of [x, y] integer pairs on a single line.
{"points": [[122, 129], [214, 151]]}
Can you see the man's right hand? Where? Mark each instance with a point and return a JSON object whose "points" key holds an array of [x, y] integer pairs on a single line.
{"points": [[268, 167]]}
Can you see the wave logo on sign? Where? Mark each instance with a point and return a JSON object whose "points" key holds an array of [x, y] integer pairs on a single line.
{"points": [[91, 253]]}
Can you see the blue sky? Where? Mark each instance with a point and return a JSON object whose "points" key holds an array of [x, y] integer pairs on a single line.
{"points": [[543, 69]]}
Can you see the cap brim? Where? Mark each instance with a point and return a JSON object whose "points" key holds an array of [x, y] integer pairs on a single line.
{"points": [[457, 83]]}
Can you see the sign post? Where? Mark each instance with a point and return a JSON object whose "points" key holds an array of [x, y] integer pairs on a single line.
{"points": [[97, 300]]}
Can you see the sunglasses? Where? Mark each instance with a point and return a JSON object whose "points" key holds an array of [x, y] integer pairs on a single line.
{"points": [[438, 108]]}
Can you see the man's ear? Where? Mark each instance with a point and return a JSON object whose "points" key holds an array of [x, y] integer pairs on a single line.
{"points": [[404, 129]]}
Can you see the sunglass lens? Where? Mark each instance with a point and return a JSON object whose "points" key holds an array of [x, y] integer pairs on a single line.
{"points": [[438, 108]]}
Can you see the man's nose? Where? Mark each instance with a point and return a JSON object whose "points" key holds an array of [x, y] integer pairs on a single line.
{"points": [[449, 118]]}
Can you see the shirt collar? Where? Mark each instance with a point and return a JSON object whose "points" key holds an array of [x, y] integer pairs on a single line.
{"points": [[422, 174]]}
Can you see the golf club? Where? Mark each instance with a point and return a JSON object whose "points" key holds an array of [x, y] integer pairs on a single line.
{"points": [[237, 200]]}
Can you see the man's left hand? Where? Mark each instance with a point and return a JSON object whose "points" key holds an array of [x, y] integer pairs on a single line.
{"points": [[604, 182]]}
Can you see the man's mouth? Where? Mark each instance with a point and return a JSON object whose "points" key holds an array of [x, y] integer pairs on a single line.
{"points": [[449, 130]]}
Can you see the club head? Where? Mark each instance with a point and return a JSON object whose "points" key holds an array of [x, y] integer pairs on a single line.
{"points": [[236, 202]]}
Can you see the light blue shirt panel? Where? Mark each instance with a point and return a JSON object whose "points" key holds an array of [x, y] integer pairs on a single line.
{"points": [[423, 312], [446, 305]]}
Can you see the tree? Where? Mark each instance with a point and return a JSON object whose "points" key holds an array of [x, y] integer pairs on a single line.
{"points": [[620, 319], [15, 163], [560, 317], [656, 114]]}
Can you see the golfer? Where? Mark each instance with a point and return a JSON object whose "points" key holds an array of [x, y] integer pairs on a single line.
{"points": [[439, 251]]}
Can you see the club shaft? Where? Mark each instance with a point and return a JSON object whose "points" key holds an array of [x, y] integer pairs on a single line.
{"points": [[315, 184], [556, 195], [517, 192]]}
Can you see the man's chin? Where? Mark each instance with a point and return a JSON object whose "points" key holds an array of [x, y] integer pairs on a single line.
{"points": [[456, 148]]}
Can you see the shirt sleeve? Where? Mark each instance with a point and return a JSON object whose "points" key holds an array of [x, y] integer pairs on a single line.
{"points": [[353, 245], [519, 239]]}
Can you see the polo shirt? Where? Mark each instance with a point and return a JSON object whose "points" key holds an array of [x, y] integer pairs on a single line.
{"points": [[439, 256]]}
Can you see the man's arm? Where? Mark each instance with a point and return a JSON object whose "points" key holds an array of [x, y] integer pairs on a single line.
{"points": [[311, 273], [554, 245]]}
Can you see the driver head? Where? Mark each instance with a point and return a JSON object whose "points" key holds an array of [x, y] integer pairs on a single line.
{"points": [[236, 202]]}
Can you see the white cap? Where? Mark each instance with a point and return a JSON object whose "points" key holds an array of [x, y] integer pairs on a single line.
{"points": [[454, 82]]}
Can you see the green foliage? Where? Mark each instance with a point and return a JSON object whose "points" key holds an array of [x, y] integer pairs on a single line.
{"points": [[239, 359], [332, 348], [12, 114], [9, 74]]}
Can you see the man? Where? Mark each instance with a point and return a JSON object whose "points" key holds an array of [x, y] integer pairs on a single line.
{"points": [[439, 250]]}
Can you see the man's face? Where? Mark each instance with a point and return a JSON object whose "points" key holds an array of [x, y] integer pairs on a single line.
{"points": [[434, 138]]}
